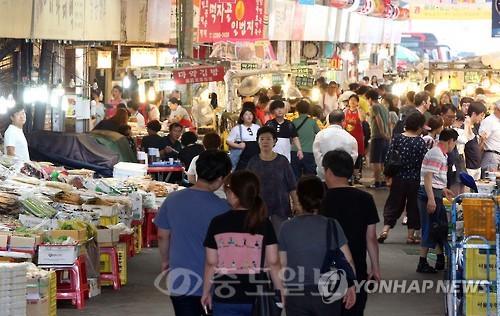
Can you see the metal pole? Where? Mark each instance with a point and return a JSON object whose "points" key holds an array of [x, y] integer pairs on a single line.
{"points": [[187, 39]]}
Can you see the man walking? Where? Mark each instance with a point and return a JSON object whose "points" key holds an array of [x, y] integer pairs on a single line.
{"points": [[490, 128], [307, 128], [379, 123], [182, 223], [356, 212], [332, 138]]}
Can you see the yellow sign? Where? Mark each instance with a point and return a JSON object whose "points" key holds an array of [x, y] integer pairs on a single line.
{"points": [[429, 10]]}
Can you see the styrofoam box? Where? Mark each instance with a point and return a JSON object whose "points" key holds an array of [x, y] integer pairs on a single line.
{"points": [[17, 292], [485, 187], [32, 221], [57, 254], [102, 210], [126, 169]]}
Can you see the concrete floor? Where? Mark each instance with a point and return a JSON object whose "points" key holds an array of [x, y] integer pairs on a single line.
{"points": [[140, 297]]}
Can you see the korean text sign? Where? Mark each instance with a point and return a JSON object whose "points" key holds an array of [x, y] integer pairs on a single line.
{"points": [[197, 75], [231, 19]]}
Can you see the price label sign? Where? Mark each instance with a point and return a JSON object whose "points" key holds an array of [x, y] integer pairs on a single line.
{"points": [[472, 77], [304, 82], [277, 79], [249, 66]]}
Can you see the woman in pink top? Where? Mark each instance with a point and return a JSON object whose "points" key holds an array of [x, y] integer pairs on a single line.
{"points": [[117, 99]]}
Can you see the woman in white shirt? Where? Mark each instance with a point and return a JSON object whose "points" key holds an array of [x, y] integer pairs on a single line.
{"points": [[15, 143], [244, 136]]}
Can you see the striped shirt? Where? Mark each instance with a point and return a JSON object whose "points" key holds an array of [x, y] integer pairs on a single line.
{"points": [[435, 161]]}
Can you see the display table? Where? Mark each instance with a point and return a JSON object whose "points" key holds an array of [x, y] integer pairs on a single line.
{"points": [[162, 170]]}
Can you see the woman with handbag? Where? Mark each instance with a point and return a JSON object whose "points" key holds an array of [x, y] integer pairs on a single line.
{"points": [[239, 243], [242, 139], [406, 182], [303, 248]]}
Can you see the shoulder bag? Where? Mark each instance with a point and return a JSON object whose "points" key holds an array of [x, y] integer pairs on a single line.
{"points": [[393, 164], [302, 124], [334, 258], [235, 153]]}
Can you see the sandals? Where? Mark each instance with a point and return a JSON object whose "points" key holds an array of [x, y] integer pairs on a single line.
{"points": [[382, 237], [412, 240]]}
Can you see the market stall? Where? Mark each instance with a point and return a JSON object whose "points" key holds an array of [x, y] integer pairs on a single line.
{"points": [[75, 231]]}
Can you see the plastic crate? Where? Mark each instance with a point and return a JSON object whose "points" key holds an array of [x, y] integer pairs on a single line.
{"points": [[479, 217], [108, 220], [475, 265], [476, 304], [105, 264], [138, 238]]}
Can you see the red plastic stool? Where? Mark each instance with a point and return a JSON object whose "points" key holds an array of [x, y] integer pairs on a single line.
{"points": [[77, 289], [129, 241], [149, 230], [114, 275]]}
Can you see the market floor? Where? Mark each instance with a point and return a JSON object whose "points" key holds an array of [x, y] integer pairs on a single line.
{"points": [[397, 259]]}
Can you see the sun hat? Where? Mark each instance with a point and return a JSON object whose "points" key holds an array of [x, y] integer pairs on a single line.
{"points": [[249, 86]]}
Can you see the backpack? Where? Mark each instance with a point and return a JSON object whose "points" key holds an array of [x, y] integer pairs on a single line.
{"points": [[399, 128]]}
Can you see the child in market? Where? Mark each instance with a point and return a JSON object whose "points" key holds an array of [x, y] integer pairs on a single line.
{"points": [[285, 129]]}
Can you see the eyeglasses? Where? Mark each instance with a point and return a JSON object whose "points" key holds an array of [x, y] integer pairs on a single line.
{"points": [[249, 130]]}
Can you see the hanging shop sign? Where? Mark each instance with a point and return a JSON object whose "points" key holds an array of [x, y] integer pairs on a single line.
{"points": [[304, 82], [143, 57], [336, 63], [302, 71], [104, 59], [451, 10], [249, 66], [277, 79], [198, 74], [472, 77], [231, 20], [495, 18]]}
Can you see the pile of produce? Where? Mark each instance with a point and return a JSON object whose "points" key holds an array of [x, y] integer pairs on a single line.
{"points": [[9, 204], [37, 208], [68, 198]]}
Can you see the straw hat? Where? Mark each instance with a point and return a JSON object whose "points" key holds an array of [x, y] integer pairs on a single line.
{"points": [[294, 93], [249, 86]]}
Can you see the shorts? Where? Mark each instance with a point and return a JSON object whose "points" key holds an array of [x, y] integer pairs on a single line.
{"points": [[378, 150]]}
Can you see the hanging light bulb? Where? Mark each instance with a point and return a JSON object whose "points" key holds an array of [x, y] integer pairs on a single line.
{"points": [[95, 86], [60, 90], [10, 101], [72, 83], [151, 93], [27, 95], [126, 82]]}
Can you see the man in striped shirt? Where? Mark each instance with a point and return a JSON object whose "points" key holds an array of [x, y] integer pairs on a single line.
{"points": [[430, 200]]}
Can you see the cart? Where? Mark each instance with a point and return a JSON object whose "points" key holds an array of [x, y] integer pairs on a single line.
{"points": [[472, 290]]}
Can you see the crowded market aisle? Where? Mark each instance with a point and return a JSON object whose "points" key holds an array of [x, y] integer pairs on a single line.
{"points": [[140, 297]]}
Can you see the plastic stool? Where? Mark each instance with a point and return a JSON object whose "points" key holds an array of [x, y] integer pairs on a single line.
{"points": [[77, 289], [129, 241], [114, 275], [149, 230]]}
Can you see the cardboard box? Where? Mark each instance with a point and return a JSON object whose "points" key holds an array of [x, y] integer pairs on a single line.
{"points": [[57, 254], [94, 286], [38, 307], [4, 239], [76, 234], [107, 237], [37, 287], [22, 243], [102, 210]]}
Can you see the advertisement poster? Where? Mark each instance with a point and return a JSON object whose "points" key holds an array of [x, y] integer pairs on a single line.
{"points": [[450, 10], [495, 17], [221, 20]]}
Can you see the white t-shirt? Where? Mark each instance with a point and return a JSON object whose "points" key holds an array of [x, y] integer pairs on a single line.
{"points": [[180, 111], [140, 119], [328, 103], [14, 137], [246, 135], [192, 172], [491, 125]]}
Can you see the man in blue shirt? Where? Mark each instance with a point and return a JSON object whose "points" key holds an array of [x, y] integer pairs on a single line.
{"points": [[182, 223]]}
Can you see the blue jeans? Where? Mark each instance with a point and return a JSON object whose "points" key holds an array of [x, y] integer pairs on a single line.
{"points": [[224, 309], [187, 305], [306, 166]]}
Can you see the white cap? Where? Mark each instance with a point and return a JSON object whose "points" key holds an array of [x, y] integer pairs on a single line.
{"points": [[497, 104], [346, 95]]}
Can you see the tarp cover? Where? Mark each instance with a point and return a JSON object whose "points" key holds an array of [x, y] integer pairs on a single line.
{"points": [[116, 142], [67, 147]]}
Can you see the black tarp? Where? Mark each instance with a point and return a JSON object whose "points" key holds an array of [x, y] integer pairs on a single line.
{"points": [[72, 150]]}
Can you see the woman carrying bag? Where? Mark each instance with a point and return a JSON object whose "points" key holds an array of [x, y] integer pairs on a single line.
{"points": [[303, 247], [237, 243], [242, 139]]}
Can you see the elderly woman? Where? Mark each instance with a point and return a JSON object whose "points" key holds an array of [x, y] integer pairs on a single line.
{"points": [[405, 185], [244, 137], [276, 177]]}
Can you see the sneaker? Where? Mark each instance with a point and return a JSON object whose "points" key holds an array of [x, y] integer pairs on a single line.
{"points": [[376, 185], [425, 268], [439, 266]]}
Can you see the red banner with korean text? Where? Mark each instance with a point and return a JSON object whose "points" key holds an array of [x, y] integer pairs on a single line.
{"points": [[231, 20], [198, 74]]}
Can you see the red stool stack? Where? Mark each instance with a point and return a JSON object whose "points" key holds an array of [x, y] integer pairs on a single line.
{"points": [[129, 241], [114, 275], [77, 289], [149, 230]]}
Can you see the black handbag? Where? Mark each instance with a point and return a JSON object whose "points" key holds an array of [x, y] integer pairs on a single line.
{"points": [[334, 258], [393, 164], [266, 302]]}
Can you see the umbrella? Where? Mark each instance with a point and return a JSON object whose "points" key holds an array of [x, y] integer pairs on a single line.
{"points": [[403, 53]]}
